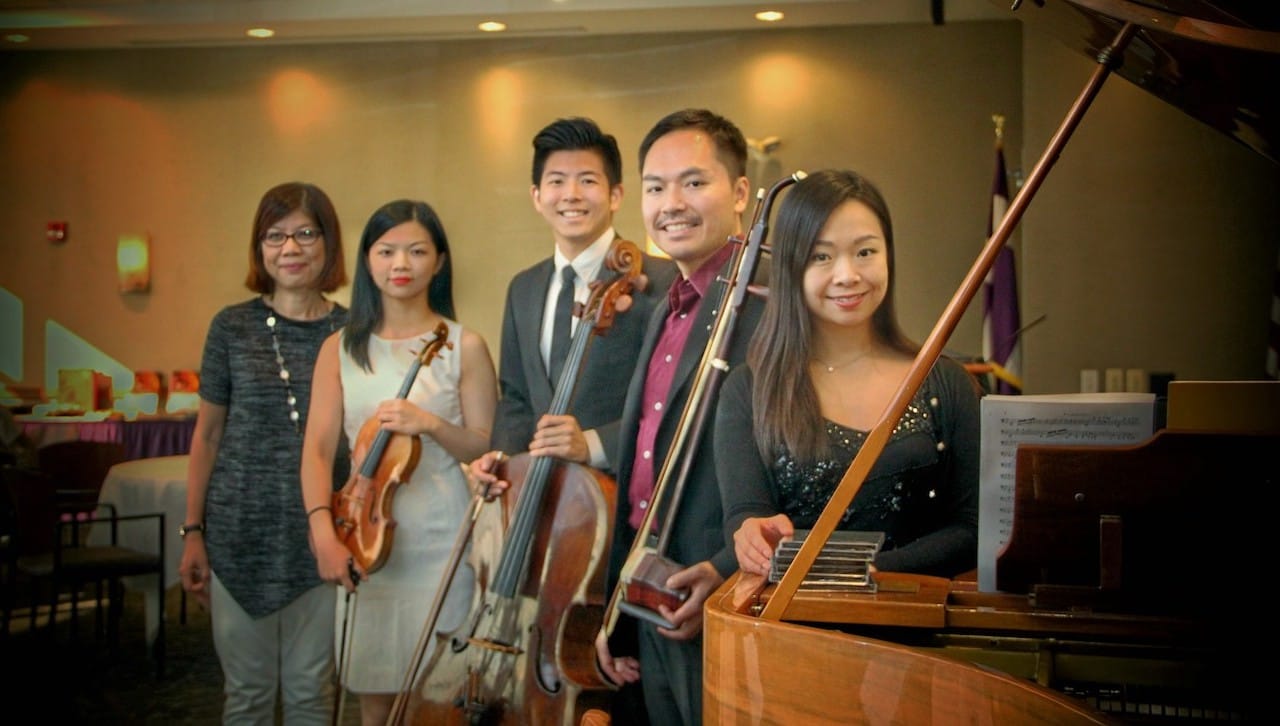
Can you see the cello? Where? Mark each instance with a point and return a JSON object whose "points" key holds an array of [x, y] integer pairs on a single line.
{"points": [[525, 653], [362, 507]]}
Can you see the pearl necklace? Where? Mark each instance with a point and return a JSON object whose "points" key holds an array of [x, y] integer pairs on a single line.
{"points": [[294, 416]]}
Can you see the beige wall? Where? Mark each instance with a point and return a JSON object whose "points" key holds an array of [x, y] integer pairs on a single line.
{"points": [[180, 144]]}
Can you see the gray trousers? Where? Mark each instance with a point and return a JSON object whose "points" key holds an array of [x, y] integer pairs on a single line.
{"points": [[289, 651]]}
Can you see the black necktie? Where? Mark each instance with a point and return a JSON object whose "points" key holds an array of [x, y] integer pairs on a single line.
{"points": [[563, 323]]}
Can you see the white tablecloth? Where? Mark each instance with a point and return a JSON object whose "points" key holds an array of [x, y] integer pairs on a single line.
{"points": [[143, 486]]}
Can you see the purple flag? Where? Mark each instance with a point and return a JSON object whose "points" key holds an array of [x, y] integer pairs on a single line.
{"points": [[1000, 319]]}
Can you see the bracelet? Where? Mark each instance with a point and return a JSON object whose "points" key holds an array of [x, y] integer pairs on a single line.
{"points": [[322, 507]]}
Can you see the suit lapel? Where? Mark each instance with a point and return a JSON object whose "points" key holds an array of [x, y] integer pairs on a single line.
{"points": [[529, 319]]}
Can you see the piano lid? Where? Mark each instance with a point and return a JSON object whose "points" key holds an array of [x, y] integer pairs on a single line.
{"points": [[1217, 60]]}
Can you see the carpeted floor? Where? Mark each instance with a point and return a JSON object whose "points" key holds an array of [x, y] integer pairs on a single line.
{"points": [[82, 681]]}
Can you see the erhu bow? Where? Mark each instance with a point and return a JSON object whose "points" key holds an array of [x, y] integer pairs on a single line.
{"points": [[642, 581]]}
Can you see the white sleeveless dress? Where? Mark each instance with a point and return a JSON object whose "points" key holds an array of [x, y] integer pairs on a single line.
{"points": [[391, 607]]}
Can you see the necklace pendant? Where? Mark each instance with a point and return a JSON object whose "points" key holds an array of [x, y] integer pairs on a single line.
{"points": [[831, 369]]}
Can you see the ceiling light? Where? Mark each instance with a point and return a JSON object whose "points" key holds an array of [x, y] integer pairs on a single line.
{"points": [[259, 32], [492, 26], [769, 16]]}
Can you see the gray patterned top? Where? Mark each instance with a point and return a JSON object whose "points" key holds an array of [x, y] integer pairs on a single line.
{"points": [[257, 529]]}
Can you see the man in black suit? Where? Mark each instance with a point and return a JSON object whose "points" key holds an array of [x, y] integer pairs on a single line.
{"points": [[694, 190], [577, 188]]}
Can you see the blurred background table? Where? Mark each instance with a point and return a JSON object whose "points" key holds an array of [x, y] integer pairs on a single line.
{"points": [[142, 438], [142, 486]]}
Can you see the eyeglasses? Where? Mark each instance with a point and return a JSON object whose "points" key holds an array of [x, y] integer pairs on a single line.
{"points": [[305, 237]]}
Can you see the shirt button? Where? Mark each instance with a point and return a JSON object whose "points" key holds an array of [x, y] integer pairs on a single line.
{"points": [[657, 406], [646, 455], [684, 315], [644, 504], [668, 358]]}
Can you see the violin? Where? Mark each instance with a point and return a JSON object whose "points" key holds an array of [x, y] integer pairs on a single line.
{"points": [[526, 652], [362, 508]]}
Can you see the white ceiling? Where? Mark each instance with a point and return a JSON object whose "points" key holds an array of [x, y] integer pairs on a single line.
{"points": [[67, 24]]}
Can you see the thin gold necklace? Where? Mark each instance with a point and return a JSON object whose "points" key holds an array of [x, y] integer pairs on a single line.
{"points": [[833, 368]]}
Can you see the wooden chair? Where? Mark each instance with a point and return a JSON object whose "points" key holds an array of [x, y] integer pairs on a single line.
{"points": [[47, 553]]}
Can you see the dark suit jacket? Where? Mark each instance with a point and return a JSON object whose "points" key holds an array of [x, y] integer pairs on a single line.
{"points": [[698, 532], [610, 359]]}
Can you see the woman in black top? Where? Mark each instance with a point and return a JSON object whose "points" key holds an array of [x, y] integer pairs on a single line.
{"points": [[824, 363]]}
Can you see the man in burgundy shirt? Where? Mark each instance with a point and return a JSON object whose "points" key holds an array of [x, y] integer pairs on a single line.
{"points": [[694, 190]]}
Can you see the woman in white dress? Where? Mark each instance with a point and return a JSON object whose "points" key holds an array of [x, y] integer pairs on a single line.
{"points": [[402, 292]]}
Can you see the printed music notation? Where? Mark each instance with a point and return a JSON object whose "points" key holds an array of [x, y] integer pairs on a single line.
{"points": [[1067, 419]]}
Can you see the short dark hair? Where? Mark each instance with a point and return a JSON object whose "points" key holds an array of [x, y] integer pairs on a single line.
{"points": [[280, 201], [731, 145], [576, 134]]}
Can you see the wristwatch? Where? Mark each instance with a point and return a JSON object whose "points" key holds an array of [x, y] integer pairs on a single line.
{"points": [[186, 529]]}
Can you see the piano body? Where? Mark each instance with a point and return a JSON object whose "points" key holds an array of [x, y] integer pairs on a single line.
{"points": [[1130, 589]]}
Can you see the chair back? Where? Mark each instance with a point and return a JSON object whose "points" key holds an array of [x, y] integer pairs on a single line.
{"points": [[29, 495], [79, 465]]}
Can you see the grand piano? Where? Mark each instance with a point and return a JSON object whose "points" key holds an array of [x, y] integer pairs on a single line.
{"points": [[1131, 590]]}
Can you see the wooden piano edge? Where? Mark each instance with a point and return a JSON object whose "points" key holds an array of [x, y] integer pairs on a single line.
{"points": [[764, 671]]}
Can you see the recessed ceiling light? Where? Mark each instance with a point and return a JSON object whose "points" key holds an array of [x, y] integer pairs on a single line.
{"points": [[769, 16], [492, 26], [17, 38], [259, 32]]}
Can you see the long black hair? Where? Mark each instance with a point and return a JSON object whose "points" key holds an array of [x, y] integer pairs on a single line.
{"points": [[366, 298], [786, 414]]}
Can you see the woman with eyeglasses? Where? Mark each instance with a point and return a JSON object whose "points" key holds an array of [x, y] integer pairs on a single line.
{"points": [[245, 553]]}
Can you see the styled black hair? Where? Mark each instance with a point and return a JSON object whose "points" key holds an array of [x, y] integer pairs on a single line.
{"points": [[576, 134]]}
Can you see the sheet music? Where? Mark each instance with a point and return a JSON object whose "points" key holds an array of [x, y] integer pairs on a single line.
{"points": [[1082, 419]]}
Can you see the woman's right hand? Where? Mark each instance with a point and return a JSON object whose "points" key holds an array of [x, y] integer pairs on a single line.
{"points": [[485, 480], [194, 569], [335, 564], [756, 539]]}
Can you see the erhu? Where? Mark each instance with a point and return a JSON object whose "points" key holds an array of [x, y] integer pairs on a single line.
{"points": [[642, 582]]}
